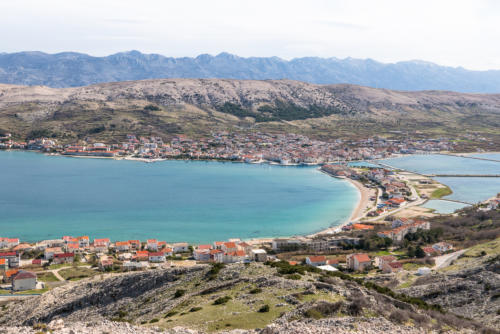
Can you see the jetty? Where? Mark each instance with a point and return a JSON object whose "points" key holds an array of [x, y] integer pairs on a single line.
{"points": [[470, 157], [461, 175], [454, 200]]}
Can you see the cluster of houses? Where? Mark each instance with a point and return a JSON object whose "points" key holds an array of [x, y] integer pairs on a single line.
{"points": [[396, 193], [492, 204], [255, 147], [315, 244], [403, 226], [357, 262]]}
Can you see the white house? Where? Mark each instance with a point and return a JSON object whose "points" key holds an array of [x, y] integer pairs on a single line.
{"points": [[316, 261], [122, 246], [49, 252], [442, 247], [381, 260], [180, 247], [152, 245], [201, 255], [358, 261], [24, 280], [258, 255], [157, 257]]}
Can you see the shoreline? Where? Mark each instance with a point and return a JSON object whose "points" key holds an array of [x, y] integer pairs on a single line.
{"points": [[357, 213]]}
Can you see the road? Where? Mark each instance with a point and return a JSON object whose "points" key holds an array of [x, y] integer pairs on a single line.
{"points": [[445, 260]]}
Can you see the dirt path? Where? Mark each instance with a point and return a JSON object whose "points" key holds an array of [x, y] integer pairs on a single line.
{"points": [[445, 260]]}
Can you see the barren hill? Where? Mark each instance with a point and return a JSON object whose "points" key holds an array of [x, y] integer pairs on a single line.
{"points": [[238, 298], [197, 106]]}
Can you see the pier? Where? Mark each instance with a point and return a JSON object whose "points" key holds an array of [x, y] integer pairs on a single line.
{"points": [[470, 157], [454, 201], [461, 175]]}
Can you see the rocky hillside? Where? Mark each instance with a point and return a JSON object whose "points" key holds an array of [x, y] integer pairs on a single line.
{"points": [[71, 69], [198, 106], [251, 298], [470, 287]]}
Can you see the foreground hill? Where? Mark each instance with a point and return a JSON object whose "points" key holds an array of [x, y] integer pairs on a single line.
{"points": [[214, 299], [70, 69], [469, 287], [198, 106]]}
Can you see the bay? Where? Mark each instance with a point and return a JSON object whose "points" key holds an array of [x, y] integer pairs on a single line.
{"points": [[43, 197]]}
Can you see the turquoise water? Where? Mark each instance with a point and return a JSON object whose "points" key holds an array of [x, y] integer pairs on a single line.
{"points": [[467, 189], [444, 164], [493, 156], [49, 196], [362, 164], [444, 207]]}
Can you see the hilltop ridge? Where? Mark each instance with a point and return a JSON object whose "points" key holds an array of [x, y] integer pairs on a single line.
{"points": [[198, 106]]}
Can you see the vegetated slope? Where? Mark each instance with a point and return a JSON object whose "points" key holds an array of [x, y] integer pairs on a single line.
{"points": [[199, 106], [70, 69], [294, 299]]}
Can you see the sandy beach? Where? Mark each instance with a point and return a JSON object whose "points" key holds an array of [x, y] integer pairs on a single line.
{"points": [[361, 209]]}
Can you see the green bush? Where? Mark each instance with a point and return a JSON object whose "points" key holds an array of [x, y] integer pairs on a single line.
{"points": [[222, 300], [294, 276], [154, 320], [170, 314], [214, 271], [179, 293], [264, 308], [255, 291], [313, 313], [195, 309]]}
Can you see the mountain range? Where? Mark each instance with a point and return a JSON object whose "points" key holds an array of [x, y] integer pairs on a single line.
{"points": [[70, 69]]}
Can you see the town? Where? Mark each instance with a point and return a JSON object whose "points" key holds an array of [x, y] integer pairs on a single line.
{"points": [[285, 149], [27, 266]]}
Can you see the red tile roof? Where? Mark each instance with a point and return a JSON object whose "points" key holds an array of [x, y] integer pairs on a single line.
{"points": [[24, 275], [316, 259], [362, 257], [63, 255]]}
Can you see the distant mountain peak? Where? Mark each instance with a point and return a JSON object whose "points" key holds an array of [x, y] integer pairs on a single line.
{"points": [[78, 69]]}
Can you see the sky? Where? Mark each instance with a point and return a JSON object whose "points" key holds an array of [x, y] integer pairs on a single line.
{"points": [[453, 33]]}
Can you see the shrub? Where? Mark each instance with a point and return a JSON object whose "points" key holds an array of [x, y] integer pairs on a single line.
{"points": [[153, 320], [222, 300], [151, 107], [328, 308], [313, 313], [214, 271], [356, 307], [294, 276], [264, 308], [170, 314], [179, 293], [399, 316], [195, 309], [419, 319], [255, 291]]}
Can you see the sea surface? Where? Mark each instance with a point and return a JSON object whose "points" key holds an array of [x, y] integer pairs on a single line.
{"points": [[492, 156], [44, 197], [467, 189]]}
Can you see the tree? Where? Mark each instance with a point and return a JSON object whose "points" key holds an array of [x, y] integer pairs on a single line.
{"points": [[411, 251], [419, 252], [387, 242]]}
